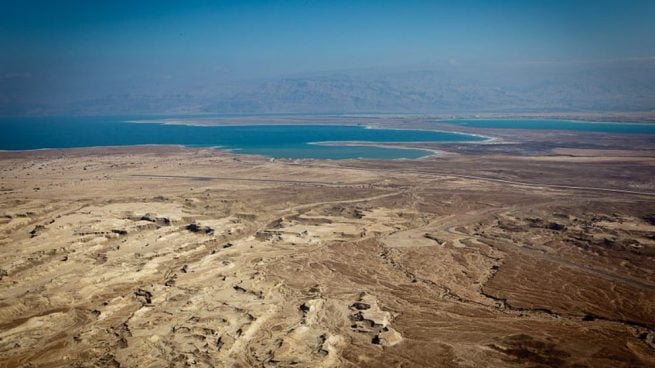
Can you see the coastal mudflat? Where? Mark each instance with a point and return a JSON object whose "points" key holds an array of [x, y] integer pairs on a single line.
{"points": [[167, 256]]}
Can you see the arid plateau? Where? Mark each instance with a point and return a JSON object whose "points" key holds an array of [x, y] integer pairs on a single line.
{"points": [[483, 256]]}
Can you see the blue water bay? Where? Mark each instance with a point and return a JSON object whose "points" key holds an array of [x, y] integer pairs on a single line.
{"points": [[280, 141]]}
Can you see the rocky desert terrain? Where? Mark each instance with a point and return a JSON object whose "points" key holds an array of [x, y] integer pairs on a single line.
{"points": [[168, 256]]}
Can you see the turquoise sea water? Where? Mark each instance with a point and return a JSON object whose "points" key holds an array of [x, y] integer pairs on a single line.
{"points": [[280, 141], [620, 128]]}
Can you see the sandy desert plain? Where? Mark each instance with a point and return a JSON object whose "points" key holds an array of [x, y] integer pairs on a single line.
{"points": [[536, 250]]}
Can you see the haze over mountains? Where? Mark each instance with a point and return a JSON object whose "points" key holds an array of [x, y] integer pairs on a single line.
{"points": [[449, 87], [166, 57]]}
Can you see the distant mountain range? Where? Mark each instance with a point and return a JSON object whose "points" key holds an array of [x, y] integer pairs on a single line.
{"points": [[527, 87]]}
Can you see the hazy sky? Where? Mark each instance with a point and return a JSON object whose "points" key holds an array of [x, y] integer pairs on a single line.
{"points": [[106, 42], [288, 36]]}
